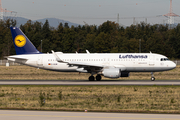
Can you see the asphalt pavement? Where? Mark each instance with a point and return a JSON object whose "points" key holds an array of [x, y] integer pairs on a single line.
{"points": [[86, 82], [55, 115]]}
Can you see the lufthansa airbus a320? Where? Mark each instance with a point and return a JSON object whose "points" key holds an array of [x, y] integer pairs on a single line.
{"points": [[110, 65]]}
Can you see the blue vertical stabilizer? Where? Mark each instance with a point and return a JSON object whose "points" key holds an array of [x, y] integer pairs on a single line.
{"points": [[22, 44]]}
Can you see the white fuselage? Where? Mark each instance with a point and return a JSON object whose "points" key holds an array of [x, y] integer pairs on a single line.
{"points": [[130, 62]]}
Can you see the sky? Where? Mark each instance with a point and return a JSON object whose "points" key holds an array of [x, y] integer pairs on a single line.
{"points": [[94, 12]]}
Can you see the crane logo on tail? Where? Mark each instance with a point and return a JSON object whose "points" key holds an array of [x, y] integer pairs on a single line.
{"points": [[20, 40]]}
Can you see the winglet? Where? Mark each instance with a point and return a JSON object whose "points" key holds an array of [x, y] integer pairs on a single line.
{"points": [[87, 52], [56, 56]]}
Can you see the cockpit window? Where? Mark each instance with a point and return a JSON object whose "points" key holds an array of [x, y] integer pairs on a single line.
{"points": [[164, 59]]}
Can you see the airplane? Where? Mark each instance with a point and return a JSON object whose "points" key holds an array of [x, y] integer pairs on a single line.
{"points": [[110, 65]]}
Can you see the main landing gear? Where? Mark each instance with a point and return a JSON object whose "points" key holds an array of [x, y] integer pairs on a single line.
{"points": [[91, 78], [152, 77], [98, 78]]}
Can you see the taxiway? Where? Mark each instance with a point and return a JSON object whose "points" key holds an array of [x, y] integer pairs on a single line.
{"points": [[55, 115]]}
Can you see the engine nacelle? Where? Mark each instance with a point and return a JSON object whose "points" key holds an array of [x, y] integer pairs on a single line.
{"points": [[124, 74], [112, 73]]}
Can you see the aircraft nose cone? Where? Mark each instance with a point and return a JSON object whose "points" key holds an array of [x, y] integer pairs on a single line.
{"points": [[173, 65]]}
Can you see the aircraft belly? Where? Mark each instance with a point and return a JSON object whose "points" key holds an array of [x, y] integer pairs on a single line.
{"points": [[147, 69]]}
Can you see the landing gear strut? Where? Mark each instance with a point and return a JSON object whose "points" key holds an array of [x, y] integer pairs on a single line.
{"points": [[152, 77], [98, 77]]}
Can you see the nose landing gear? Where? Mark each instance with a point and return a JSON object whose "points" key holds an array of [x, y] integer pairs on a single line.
{"points": [[152, 77]]}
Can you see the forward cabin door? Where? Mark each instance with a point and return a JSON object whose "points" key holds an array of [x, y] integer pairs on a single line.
{"points": [[40, 61], [151, 60]]}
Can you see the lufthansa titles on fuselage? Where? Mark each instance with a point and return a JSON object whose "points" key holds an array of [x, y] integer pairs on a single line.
{"points": [[133, 56]]}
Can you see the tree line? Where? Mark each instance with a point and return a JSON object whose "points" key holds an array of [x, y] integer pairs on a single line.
{"points": [[109, 37]]}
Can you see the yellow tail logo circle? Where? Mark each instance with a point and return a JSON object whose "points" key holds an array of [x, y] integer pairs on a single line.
{"points": [[20, 40]]}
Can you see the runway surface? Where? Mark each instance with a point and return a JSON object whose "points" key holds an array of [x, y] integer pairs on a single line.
{"points": [[86, 82], [51, 115]]}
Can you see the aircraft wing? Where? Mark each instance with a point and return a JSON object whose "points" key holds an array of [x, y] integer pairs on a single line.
{"points": [[84, 64], [80, 64], [88, 66]]}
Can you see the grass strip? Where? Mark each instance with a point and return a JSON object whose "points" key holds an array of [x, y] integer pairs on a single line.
{"points": [[138, 99]]}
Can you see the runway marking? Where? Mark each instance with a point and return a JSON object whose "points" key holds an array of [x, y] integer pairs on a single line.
{"points": [[88, 117]]}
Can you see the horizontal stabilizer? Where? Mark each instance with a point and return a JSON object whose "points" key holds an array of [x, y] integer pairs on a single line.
{"points": [[17, 58]]}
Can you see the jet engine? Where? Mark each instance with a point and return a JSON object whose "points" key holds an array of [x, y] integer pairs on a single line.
{"points": [[112, 73]]}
